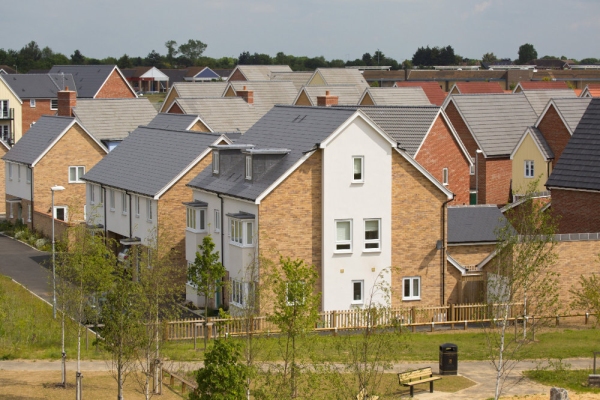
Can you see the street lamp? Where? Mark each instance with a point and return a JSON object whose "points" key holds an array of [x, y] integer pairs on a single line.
{"points": [[53, 189]]}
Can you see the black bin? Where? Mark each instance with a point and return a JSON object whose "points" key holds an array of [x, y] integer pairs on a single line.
{"points": [[448, 359]]}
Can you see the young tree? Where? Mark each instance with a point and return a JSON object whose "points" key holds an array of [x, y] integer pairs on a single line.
{"points": [[520, 273], [206, 274], [224, 376], [192, 50], [527, 53], [489, 58], [587, 295]]}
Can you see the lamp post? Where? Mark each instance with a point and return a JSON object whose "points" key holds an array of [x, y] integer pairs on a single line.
{"points": [[53, 189]]}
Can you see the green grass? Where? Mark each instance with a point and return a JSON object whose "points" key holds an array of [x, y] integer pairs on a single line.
{"points": [[572, 380]]}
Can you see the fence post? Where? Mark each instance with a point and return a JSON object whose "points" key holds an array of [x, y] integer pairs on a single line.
{"points": [[557, 320], [334, 320], [209, 326], [86, 338], [432, 323], [195, 326], [533, 328], [587, 317], [465, 324]]}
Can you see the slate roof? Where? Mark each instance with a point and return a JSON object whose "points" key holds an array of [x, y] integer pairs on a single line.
{"points": [[89, 79], [175, 75], [398, 96], [477, 87], [113, 119], [474, 224], [268, 93], [298, 78], [38, 138], [298, 129], [579, 165], [180, 122], [342, 76], [149, 159], [194, 89], [539, 98], [260, 72], [434, 92], [571, 110], [347, 94], [497, 121], [33, 86], [222, 114]]}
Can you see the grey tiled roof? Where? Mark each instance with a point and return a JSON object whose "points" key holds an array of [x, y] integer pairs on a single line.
{"points": [[298, 78], [579, 165], [497, 121], [540, 98], [149, 159], [572, 109], [398, 96], [268, 93], [343, 76], [88, 78], [180, 122], [541, 142], [222, 114], [195, 89], [298, 129], [348, 95], [473, 224], [38, 138], [34, 86], [261, 72], [113, 119]]}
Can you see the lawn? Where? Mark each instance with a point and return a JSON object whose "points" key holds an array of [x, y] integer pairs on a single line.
{"points": [[572, 380]]}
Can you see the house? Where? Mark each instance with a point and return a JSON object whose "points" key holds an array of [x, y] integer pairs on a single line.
{"points": [[146, 79], [434, 92], [97, 81], [384, 78], [476, 87], [135, 194], [347, 95], [24, 98], [256, 72], [56, 151], [390, 96], [575, 180], [540, 85], [5, 69], [298, 78], [338, 76], [326, 185], [544, 63], [192, 90], [490, 126], [4, 148], [540, 98], [591, 90], [447, 78], [263, 95], [178, 122], [201, 74]]}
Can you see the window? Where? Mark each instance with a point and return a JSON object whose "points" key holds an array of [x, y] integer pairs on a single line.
{"points": [[10, 167], [149, 209], [196, 219], [358, 169], [32, 103], [372, 235], [28, 174], [215, 161], [296, 293], [529, 170], [75, 174], [5, 132], [111, 195], [125, 206], [92, 194], [343, 236], [357, 292], [61, 213], [445, 176], [191, 218], [19, 173], [137, 206], [240, 292], [249, 167], [241, 233], [217, 220], [54, 104], [4, 111], [411, 288]]}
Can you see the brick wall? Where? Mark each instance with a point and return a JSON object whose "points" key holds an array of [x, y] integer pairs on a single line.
{"points": [[43, 224], [441, 150], [555, 132], [461, 128], [75, 148], [32, 114], [175, 109], [471, 255], [237, 76], [494, 177], [290, 217], [416, 227], [577, 212], [115, 87]]}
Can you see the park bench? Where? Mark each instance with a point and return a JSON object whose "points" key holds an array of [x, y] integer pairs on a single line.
{"points": [[412, 378]]}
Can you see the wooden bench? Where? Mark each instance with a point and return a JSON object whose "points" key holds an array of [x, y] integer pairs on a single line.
{"points": [[412, 378]]}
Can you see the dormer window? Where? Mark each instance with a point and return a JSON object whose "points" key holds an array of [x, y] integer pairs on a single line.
{"points": [[248, 168], [196, 216], [215, 161], [241, 229]]}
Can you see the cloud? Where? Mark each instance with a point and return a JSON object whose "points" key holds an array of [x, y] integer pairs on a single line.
{"points": [[481, 7]]}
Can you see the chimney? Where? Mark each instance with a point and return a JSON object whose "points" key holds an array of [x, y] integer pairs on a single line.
{"points": [[327, 100], [247, 95], [67, 100]]}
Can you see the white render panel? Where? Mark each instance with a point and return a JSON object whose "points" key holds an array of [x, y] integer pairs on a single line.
{"points": [[344, 200], [94, 210], [15, 186]]}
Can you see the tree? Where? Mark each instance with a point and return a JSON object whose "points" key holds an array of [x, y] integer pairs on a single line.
{"points": [[206, 274], [77, 58], [367, 59], [172, 51], [527, 53], [489, 58], [224, 376], [124, 62], [520, 273], [587, 296], [192, 50], [153, 59]]}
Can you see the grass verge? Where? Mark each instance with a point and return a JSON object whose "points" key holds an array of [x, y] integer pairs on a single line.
{"points": [[572, 380]]}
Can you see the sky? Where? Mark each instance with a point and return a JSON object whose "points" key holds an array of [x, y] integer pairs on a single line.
{"points": [[335, 29]]}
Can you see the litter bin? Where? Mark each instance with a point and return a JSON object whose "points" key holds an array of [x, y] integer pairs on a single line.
{"points": [[448, 359]]}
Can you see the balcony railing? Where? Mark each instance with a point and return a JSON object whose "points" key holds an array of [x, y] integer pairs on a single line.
{"points": [[7, 114]]}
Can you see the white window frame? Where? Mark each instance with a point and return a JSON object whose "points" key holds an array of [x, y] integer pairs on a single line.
{"points": [[137, 206], [92, 194], [28, 175], [196, 219], [31, 103], [217, 220], [294, 302], [10, 172], [241, 227], [372, 241], [411, 295], [66, 213], [4, 131], [54, 104], [79, 172], [4, 109], [124, 203], [445, 176], [344, 242], [362, 292], [239, 292], [362, 169], [529, 167], [215, 161], [248, 168], [149, 214], [111, 199]]}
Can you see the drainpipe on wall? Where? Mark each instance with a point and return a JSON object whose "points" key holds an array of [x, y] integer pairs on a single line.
{"points": [[31, 197], [222, 246], [444, 208]]}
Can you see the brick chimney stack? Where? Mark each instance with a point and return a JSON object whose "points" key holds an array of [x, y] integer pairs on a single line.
{"points": [[247, 95], [67, 100], [327, 100]]}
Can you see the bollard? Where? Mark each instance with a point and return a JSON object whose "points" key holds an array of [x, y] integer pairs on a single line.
{"points": [[86, 338], [432, 323], [335, 331], [465, 324], [587, 317], [557, 320]]}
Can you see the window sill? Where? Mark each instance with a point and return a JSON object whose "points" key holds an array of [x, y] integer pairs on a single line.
{"points": [[112, 210], [357, 182], [357, 303], [233, 303], [411, 298], [241, 245], [124, 213], [342, 252], [195, 230], [149, 221], [137, 215], [371, 250]]}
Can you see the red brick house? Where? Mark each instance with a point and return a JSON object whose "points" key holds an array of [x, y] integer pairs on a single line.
{"points": [[97, 81]]}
